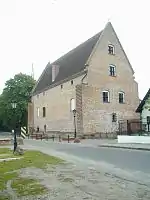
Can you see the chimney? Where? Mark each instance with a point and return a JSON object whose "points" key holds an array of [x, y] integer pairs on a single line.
{"points": [[55, 71]]}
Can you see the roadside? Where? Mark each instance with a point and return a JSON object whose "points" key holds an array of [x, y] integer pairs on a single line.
{"points": [[108, 143], [82, 178]]}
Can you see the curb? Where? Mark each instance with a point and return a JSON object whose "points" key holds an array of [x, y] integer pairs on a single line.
{"points": [[119, 147]]}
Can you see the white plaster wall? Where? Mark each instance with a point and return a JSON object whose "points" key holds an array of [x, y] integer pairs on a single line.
{"points": [[133, 139]]}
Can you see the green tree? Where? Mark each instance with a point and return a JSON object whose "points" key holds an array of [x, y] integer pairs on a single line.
{"points": [[17, 90]]}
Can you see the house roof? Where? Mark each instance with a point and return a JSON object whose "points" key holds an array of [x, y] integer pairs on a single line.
{"points": [[69, 64], [139, 109]]}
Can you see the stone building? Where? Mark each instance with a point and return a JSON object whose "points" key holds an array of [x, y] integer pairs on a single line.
{"points": [[98, 77]]}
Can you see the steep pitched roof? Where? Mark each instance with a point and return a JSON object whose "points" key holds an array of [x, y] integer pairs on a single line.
{"points": [[139, 109], [69, 64]]}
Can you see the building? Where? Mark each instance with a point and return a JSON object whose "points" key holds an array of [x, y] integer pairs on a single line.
{"points": [[144, 110], [98, 77]]}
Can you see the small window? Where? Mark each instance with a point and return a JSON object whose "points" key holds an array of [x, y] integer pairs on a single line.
{"points": [[121, 97], [106, 96], [61, 86], [114, 117], [44, 112], [71, 82], [112, 70], [38, 112], [111, 49]]}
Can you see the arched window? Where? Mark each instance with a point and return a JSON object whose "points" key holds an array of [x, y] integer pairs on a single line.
{"points": [[44, 112], [72, 104]]}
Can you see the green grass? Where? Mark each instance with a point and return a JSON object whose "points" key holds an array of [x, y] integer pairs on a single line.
{"points": [[5, 151], [8, 169], [25, 187]]}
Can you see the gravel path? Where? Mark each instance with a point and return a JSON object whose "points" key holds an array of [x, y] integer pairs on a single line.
{"points": [[69, 181]]}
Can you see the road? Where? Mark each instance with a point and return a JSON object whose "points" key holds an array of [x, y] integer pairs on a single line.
{"points": [[131, 163]]}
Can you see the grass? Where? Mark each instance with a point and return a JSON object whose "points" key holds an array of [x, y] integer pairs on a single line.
{"points": [[8, 169], [25, 187]]}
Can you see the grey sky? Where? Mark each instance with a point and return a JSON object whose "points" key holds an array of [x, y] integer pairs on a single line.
{"points": [[39, 31]]}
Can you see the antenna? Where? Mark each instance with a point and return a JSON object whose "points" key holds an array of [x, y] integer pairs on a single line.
{"points": [[32, 71]]}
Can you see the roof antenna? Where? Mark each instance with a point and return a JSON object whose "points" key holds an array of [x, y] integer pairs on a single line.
{"points": [[32, 71]]}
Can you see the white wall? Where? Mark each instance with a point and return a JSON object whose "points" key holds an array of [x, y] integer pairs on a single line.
{"points": [[133, 139]]}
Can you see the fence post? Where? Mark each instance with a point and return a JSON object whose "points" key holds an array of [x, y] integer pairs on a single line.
{"points": [[68, 138], [59, 138]]}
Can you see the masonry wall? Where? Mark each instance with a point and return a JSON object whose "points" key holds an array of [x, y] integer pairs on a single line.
{"points": [[59, 116], [97, 116]]}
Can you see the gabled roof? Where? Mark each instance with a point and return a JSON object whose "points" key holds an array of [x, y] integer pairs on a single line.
{"points": [[139, 109], [69, 64]]}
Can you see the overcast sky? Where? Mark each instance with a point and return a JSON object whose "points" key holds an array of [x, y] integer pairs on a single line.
{"points": [[39, 31]]}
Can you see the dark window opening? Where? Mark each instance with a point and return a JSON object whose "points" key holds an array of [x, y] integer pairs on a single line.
{"points": [[114, 117], [61, 86], [121, 97], [148, 119], [105, 97], [44, 112], [111, 49], [72, 82], [112, 70]]}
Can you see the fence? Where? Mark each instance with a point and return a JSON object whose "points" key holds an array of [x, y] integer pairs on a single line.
{"points": [[53, 137], [132, 127]]}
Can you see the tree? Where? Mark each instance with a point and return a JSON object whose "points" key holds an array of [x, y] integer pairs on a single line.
{"points": [[17, 90]]}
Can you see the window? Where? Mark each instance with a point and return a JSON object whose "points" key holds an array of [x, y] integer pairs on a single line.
{"points": [[44, 93], [38, 112], [111, 49], [114, 117], [37, 96], [72, 104], [106, 96], [44, 112], [71, 82], [61, 86], [121, 97], [148, 119], [112, 70]]}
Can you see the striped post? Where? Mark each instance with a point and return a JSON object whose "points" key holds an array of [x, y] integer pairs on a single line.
{"points": [[24, 132]]}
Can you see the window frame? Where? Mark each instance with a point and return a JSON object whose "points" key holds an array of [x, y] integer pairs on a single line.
{"points": [[44, 111], [106, 91], [111, 46], [112, 66], [123, 97]]}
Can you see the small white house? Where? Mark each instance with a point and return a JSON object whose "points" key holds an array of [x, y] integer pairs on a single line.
{"points": [[144, 110]]}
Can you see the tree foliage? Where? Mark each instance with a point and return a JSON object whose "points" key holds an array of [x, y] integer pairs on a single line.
{"points": [[17, 90]]}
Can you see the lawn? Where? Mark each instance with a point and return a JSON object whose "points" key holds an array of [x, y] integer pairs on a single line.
{"points": [[9, 171]]}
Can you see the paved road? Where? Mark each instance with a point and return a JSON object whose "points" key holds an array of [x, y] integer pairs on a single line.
{"points": [[132, 160]]}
